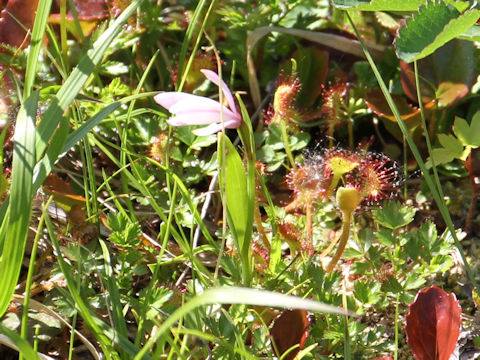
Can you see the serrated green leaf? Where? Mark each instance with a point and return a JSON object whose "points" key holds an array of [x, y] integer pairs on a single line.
{"points": [[435, 24], [361, 291], [379, 5], [469, 135], [451, 144], [389, 5], [385, 237], [413, 281], [393, 215], [440, 156]]}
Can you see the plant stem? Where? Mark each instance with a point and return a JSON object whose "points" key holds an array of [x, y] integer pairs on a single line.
{"points": [[31, 270], [287, 145], [343, 241]]}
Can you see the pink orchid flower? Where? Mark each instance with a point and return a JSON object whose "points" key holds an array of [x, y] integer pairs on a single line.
{"points": [[189, 109]]}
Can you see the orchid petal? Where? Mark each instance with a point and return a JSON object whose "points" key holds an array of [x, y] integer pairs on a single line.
{"points": [[208, 130], [213, 77], [196, 117], [172, 101], [213, 128], [168, 99]]}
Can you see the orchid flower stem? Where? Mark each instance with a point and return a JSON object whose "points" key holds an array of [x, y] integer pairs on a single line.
{"points": [[395, 354], [287, 145], [261, 230], [343, 241]]}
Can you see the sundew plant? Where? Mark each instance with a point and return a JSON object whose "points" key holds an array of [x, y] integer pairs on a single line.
{"points": [[239, 179]]}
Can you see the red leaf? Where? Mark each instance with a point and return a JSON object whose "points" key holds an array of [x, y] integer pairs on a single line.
{"points": [[289, 329], [433, 324], [23, 11]]}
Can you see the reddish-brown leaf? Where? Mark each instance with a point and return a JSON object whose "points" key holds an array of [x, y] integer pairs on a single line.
{"points": [[433, 324], [445, 76], [11, 32], [289, 329], [63, 193]]}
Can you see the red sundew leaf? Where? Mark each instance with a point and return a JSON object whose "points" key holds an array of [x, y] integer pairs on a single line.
{"points": [[6, 87], [15, 12], [376, 102], [89, 12], [63, 193], [289, 329], [433, 324], [91, 9]]}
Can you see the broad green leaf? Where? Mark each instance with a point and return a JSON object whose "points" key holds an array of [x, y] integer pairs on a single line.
{"points": [[441, 156], [434, 25], [21, 193], [451, 144], [391, 5], [239, 193], [469, 135], [394, 215]]}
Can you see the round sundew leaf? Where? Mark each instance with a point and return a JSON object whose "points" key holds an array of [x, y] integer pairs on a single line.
{"points": [[433, 324]]}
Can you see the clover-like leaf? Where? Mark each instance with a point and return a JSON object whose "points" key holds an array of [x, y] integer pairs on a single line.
{"points": [[451, 144], [451, 149], [469, 135], [433, 324], [393, 215], [435, 24]]}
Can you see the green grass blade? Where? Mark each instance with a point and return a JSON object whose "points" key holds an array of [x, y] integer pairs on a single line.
{"points": [[21, 200], [239, 193], [114, 294], [23, 346], [38, 33]]}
